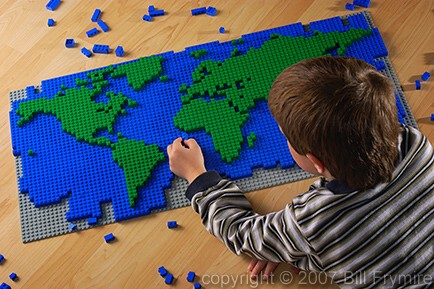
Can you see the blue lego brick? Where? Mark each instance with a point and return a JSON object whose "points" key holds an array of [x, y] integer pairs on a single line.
{"points": [[52, 5], [92, 221], [169, 279], [101, 48], [417, 83], [50, 22], [198, 11], [151, 8], [103, 26], [197, 286], [172, 224], [425, 76], [190, 276], [70, 43], [222, 30], [162, 271], [13, 276], [155, 13], [432, 117], [92, 32], [211, 11], [56, 171], [109, 238], [4, 286], [349, 6], [362, 3], [147, 18], [86, 52], [2, 258], [72, 227], [119, 51], [96, 15]]}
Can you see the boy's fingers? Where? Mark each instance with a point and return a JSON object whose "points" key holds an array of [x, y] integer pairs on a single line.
{"points": [[258, 268], [270, 268], [191, 142], [252, 265]]}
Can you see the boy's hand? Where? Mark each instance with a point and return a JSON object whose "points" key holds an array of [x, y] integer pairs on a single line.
{"points": [[186, 159], [257, 266]]}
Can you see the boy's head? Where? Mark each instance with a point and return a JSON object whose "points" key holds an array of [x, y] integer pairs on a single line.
{"points": [[342, 113]]}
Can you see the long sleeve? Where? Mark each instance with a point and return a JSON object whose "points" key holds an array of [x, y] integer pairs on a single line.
{"points": [[228, 215]]}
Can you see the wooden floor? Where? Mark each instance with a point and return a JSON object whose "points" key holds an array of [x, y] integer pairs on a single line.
{"points": [[31, 52]]}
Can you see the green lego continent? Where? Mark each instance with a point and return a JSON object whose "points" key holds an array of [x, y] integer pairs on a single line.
{"points": [[137, 161], [84, 118], [222, 93]]}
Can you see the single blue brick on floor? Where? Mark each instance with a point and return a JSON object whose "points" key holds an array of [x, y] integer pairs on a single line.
{"points": [[147, 18], [86, 52], [96, 14], [2, 258], [211, 11], [222, 30], [151, 8], [50, 22], [432, 117], [362, 3], [349, 6], [92, 221], [100, 48], [92, 32], [72, 227], [13, 276], [69, 43], [52, 4], [198, 11], [119, 51], [4, 286], [417, 82], [190, 276], [169, 279], [109, 238], [103, 26], [156, 13], [197, 286], [425, 76], [162, 271], [172, 224]]}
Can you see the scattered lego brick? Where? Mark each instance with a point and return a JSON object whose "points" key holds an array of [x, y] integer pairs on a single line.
{"points": [[13, 276], [2, 258], [4, 286], [349, 6], [198, 11], [190, 276], [72, 227], [51, 22], [197, 285], [119, 51], [222, 30], [162, 271], [147, 18], [418, 86], [169, 279], [211, 11], [70, 43], [86, 52], [172, 224], [96, 15], [432, 117], [425, 76], [109, 238], [155, 13], [92, 221], [103, 26], [92, 32], [362, 3], [52, 5], [100, 48], [151, 8]]}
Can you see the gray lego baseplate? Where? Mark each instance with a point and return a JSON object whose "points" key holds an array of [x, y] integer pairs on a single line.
{"points": [[49, 221]]}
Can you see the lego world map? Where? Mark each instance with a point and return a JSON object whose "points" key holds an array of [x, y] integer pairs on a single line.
{"points": [[100, 136]]}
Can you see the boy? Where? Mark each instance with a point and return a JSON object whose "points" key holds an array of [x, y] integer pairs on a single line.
{"points": [[369, 221]]}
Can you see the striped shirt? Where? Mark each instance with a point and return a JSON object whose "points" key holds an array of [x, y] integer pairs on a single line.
{"points": [[377, 238]]}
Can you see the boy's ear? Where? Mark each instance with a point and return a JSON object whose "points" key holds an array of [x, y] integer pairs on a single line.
{"points": [[319, 166]]}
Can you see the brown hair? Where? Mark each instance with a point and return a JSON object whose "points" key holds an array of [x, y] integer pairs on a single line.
{"points": [[342, 111]]}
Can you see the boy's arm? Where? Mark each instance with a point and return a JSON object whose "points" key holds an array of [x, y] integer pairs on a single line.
{"points": [[228, 215]]}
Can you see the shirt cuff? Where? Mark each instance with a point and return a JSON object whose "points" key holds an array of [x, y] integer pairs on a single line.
{"points": [[202, 182]]}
